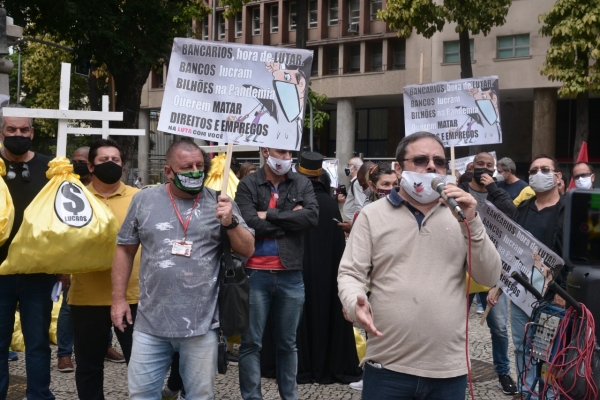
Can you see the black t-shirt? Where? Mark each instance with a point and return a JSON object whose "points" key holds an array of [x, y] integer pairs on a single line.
{"points": [[542, 223], [22, 192]]}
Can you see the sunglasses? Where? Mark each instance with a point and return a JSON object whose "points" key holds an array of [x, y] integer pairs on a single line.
{"points": [[12, 174], [545, 170], [423, 161], [586, 175]]}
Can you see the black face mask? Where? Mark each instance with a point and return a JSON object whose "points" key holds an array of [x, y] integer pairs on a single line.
{"points": [[81, 169], [347, 171], [108, 172], [17, 145], [480, 171]]}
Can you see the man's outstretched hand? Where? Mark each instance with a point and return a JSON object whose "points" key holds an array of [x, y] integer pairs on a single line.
{"points": [[364, 316]]}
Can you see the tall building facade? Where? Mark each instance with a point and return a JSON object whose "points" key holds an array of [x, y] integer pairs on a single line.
{"points": [[362, 67]]}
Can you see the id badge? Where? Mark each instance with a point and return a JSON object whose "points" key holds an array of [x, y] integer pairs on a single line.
{"points": [[182, 248]]}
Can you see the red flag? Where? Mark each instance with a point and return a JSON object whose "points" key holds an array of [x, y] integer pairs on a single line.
{"points": [[581, 157]]}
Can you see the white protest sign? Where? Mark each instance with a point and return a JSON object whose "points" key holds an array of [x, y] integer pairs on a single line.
{"points": [[331, 166], [460, 164], [463, 112], [236, 93], [520, 252]]}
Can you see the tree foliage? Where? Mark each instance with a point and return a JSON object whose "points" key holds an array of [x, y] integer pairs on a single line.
{"points": [[128, 36], [574, 30], [430, 16]]}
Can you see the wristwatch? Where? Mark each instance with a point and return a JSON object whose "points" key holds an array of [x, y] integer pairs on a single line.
{"points": [[234, 223]]}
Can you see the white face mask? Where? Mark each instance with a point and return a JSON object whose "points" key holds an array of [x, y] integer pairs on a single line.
{"points": [[584, 183], [278, 166], [541, 182], [418, 186], [367, 191]]}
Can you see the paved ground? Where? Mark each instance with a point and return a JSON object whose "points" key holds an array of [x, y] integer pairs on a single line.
{"points": [[63, 385]]}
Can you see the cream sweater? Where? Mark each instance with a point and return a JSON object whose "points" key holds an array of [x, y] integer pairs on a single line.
{"points": [[417, 282]]}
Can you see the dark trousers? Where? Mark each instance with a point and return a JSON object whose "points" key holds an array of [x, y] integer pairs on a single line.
{"points": [[32, 292], [384, 384], [90, 324]]}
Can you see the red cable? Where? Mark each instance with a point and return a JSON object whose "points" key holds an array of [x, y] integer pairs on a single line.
{"points": [[468, 308]]}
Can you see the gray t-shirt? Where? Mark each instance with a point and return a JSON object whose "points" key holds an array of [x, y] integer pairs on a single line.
{"points": [[479, 196], [178, 295]]}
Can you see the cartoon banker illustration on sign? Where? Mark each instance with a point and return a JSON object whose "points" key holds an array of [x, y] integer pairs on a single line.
{"points": [[486, 100], [290, 88]]}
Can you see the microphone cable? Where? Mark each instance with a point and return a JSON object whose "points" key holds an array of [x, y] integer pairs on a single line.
{"points": [[469, 260]]}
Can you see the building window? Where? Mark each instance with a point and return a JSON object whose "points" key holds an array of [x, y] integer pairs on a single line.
{"points": [[376, 56], [238, 24], [205, 30], [354, 59], [513, 46], [333, 12], [221, 22], [293, 16], [256, 21], [314, 69], [375, 6], [312, 14], [274, 18], [354, 11], [399, 54], [157, 78], [334, 60], [452, 51]]}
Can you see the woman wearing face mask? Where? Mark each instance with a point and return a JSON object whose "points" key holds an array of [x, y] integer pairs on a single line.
{"points": [[381, 181]]}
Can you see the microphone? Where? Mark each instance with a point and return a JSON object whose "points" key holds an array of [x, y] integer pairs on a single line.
{"points": [[438, 185]]}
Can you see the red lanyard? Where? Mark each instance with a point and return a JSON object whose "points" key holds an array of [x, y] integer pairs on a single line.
{"points": [[187, 222]]}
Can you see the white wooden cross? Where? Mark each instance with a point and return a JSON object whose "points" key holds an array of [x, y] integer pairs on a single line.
{"points": [[63, 114]]}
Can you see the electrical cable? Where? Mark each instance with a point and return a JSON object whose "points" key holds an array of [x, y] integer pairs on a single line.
{"points": [[468, 308]]}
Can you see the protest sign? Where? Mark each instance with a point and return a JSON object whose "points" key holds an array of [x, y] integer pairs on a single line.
{"points": [[463, 112], [331, 167], [460, 164], [236, 93], [520, 252]]}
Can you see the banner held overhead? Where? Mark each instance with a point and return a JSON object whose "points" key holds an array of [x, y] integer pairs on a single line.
{"points": [[463, 112], [236, 93]]}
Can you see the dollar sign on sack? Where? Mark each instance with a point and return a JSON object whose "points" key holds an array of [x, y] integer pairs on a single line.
{"points": [[68, 191]]}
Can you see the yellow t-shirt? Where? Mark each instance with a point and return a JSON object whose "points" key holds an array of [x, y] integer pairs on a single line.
{"points": [[95, 288]]}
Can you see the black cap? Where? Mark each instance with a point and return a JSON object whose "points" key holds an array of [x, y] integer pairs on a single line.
{"points": [[311, 163]]}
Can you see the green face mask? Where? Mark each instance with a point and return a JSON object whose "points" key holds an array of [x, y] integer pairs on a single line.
{"points": [[190, 182]]}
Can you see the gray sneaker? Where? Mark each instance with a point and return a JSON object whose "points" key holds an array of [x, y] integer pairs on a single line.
{"points": [[169, 394]]}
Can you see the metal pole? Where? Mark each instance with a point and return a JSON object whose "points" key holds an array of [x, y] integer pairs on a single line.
{"points": [[214, 20], [310, 107], [19, 79]]}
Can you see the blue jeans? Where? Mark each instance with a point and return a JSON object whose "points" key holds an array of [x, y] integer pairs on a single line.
{"points": [[282, 295], [64, 329], [518, 320], [384, 384], [32, 292], [151, 358]]}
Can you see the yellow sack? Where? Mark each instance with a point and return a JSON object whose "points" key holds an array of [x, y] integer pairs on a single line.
{"points": [[7, 210], [65, 229], [215, 176], [17, 343], [361, 344], [476, 287]]}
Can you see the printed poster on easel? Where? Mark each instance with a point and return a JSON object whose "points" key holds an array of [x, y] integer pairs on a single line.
{"points": [[520, 252], [463, 112], [236, 93]]}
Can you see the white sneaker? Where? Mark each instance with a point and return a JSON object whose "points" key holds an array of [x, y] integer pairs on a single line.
{"points": [[357, 385]]}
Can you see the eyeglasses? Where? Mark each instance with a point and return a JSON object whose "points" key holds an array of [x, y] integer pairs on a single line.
{"points": [[545, 170], [423, 161], [586, 175], [12, 174]]}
